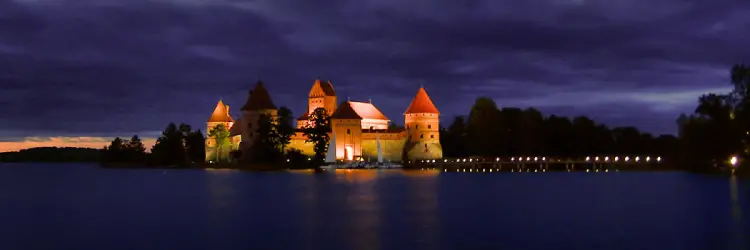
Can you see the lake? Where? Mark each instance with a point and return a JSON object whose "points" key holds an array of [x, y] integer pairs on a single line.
{"points": [[75, 206]]}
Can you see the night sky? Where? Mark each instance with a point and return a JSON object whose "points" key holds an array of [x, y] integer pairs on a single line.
{"points": [[80, 72]]}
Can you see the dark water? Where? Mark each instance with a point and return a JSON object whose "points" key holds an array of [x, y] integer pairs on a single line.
{"points": [[81, 207]]}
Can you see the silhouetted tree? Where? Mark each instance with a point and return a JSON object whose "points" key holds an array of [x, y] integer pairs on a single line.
{"points": [[169, 148], [482, 129], [266, 148], [195, 146], [283, 129], [317, 132], [453, 139]]}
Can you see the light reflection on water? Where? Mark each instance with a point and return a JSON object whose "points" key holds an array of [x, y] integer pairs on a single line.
{"points": [[739, 230], [76, 207]]}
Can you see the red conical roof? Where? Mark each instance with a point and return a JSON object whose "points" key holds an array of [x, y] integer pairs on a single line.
{"points": [[259, 99], [221, 113], [421, 104], [321, 88]]}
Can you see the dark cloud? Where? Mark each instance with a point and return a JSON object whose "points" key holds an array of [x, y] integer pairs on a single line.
{"points": [[104, 68]]}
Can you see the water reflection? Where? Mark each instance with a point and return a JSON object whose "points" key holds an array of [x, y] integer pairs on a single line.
{"points": [[310, 202], [363, 208], [221, 194], [737, 213], [423, 206]]}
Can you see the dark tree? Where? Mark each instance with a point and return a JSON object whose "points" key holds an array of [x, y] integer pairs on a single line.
{"points": [[283, 129], [317, 132], [195, 146], [169, 148], [266, 147], [453, 139], [482, 128]]}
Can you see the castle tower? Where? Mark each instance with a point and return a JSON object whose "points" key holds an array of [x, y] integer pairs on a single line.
{"points": [[422, 120], [347, 125], [219, 116], [322, 95], [258, 103]]}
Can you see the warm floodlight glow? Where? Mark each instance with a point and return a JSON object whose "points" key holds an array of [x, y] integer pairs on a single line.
{"points": [[597, 158], [513, 159], [498, 159], [733, 161], [528, 158], [648, 158], [544, 158], [588, 158], [637, 158], [536, 158], [617, 158], [627, 158], [606, 158], [658, 158]]}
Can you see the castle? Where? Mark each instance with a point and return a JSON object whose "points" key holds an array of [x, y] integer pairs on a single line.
{"points": [[357, 125]]}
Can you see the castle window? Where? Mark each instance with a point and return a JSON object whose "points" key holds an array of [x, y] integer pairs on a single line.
{"points": [[250, 125], [251, 134], [417, 126], [432, 136], [429, 126], [371, 128], [421, 136], [348, 132]]}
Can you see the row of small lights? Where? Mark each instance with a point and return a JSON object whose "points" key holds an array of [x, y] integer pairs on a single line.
{"points": [[588, 158], [512, 170]]}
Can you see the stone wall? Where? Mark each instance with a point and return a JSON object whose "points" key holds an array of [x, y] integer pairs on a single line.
{"points": [[392, 149]]}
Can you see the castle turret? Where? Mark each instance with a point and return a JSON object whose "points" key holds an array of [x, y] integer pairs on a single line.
{"points": [[322, 95], [422, 120], [258, 103], [219, 116]]}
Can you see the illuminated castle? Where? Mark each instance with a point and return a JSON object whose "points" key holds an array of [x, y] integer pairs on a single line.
{"points": [[357, 125]]}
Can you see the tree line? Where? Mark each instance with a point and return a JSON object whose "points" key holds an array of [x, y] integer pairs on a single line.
{"points": [[177, 146], [719, 127], [489, 131], [52, 154]]}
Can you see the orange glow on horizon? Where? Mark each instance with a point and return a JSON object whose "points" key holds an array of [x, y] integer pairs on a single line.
{"points": [[80, 142]]}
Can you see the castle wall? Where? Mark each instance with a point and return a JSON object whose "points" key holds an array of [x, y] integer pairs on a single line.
{"points": [[374, 124], [298, 142], [392, 145]]}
